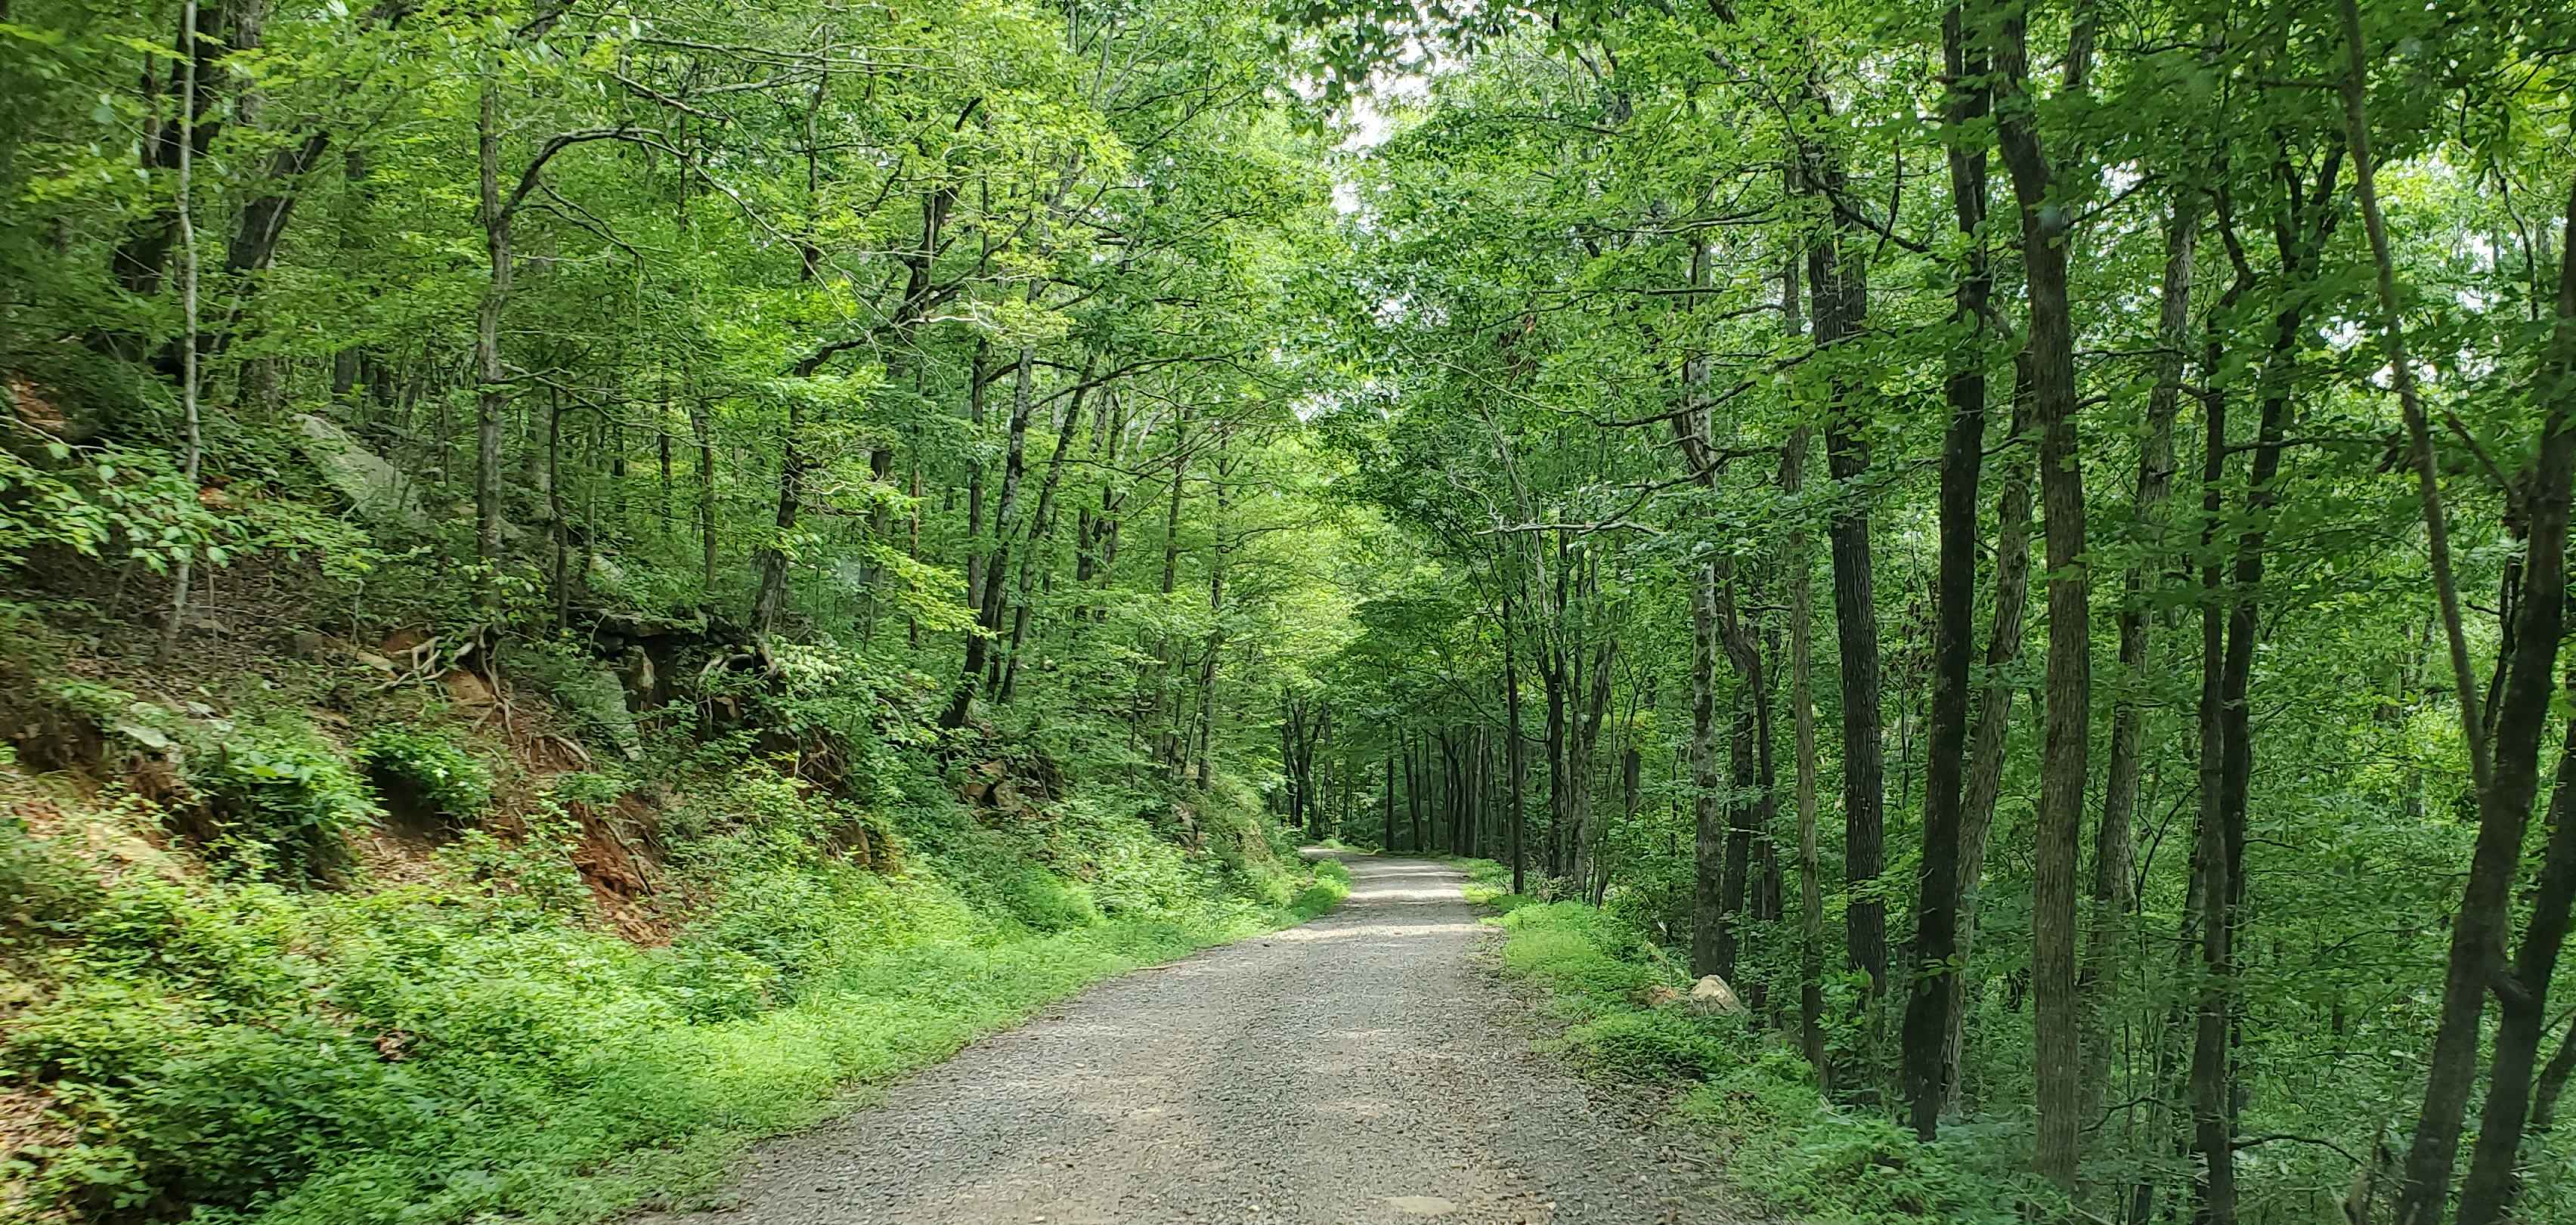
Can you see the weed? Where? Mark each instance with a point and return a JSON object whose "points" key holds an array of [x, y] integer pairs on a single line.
{"points": [[280, 801], [1755, 1100], [427, 773]]}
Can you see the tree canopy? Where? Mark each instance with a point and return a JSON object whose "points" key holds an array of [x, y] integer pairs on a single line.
{"points": [[2029, 539]]}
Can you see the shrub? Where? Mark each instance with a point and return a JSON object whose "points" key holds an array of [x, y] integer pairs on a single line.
{"points": [[1849, 1168], [426, 773], [1759, 1105], [279, 801], [1569, 948], [46, 891], [1046, 902], [1670, 1043]]}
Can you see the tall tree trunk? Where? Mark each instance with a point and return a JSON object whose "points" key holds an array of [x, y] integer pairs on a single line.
{"points": [[2553, 1082], [1931, 995], [1005, 516], [193, 444], [2114, 858], [1167, 663], [2522, 999], [1512, 729], [1800, 565], [1585, 829], [1215, 646], [1836, 286], [2004, 633], [1752, 806], [558, 525], [1042, 530], [770, 600], [491, 399], [702, 429], [2066, 740], [2506, 771], [976, 553], [141, 259], [1708, 850], [1740, 829]]}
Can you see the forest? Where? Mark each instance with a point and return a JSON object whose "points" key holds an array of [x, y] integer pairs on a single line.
{"points": [[617, 569]]}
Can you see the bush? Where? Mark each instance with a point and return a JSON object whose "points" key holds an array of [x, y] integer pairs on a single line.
{"points": [[1569, 948], [1841, 1168], [46, 891], [280, 802], [1668, 1043], [427, 773], [1332, 884], [1759, 1105], [476, 1045], [1045, 902]]}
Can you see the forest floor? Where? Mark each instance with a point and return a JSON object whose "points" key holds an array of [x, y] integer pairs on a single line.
{"points": [[1367, 1067]]}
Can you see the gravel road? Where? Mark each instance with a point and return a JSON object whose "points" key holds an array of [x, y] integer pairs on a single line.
{"points": [[1359, 1069]]}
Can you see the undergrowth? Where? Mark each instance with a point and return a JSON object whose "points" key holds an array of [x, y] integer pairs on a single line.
{"points": [[1744, 1088], [238, 1047]]}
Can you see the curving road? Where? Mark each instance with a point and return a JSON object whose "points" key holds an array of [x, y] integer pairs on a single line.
{"points": [[1355, 1070]]}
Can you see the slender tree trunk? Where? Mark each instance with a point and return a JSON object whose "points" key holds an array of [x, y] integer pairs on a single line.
{"points": [[1512, 729], [1739, 833], [702, 429], [1802, 717], [2004, 634], [1585, 828], [2508, 777], [1752, 805], [1215, 646], [1042, 530], [1005, 516], [2114, 858], [770, 600], [2522, 999], [491, 399], [1167, 663], [1631, 771], [1708, 851], [2553, 1082], [1932, 994], [976, 555], [559, 528], [2051, 345], [193, 445]]}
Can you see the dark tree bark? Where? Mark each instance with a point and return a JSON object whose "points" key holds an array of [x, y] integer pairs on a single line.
{"points": [[1936, 928], [1042, 529], [1708, 850], [491, 399], [2004, 632], [142, 258], [1005, 517], [2522, 995], [702, 431], [1739, 834], [2045, 225], [1750, 767], [1838, 289], [1512, 729], [2114, 856]]}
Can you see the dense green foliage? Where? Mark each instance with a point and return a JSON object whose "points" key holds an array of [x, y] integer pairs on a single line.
{"points": [[586, 561], [414, 1053], [2015, 536], [580, 581]]}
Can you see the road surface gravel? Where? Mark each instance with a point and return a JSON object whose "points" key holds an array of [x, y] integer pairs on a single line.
{"points": [[1363, 1069]]}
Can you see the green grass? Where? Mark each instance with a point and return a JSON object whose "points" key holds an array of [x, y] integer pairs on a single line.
{"points": [[476, 1048], [660, 1116], [1746, 1091]]}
